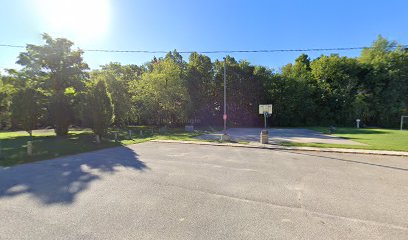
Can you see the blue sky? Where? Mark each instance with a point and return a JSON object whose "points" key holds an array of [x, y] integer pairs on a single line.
{"points": [[201, 25]]}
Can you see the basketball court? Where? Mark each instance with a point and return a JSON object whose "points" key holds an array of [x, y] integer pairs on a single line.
{"points": [[276, 135]]}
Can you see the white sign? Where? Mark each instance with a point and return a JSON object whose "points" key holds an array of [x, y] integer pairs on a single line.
{"points": [[265, 108]]}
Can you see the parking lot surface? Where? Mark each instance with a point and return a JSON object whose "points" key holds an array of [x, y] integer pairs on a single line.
{"points": [[175, 191]]}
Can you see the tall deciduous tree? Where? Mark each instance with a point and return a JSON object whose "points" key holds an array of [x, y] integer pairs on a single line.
{"points": [[6, 92], [119, 78], [201, 86], [59, 67], [168, 90], [161, 96], [386, 83], [26, 109], [337, 79]]}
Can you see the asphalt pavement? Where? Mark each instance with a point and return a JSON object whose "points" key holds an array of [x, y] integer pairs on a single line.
{"points": [[178, 191], [277, 135]]}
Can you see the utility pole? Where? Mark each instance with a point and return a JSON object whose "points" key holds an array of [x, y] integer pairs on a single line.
{"points": [[225, 136], [225, 96]]}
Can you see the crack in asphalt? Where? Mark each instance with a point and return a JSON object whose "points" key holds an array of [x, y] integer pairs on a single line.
{"points": [[286, 207]]}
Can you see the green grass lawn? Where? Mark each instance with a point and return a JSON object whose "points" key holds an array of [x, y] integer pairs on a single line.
{"points": [[374, 138], [13, 145], [46, 145]]}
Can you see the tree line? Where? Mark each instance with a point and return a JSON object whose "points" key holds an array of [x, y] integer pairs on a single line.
{"points": [[56, 88]]}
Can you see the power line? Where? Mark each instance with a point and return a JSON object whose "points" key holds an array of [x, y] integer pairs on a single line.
{"points": [[237, 51], [126, 51], [220, 51], [230, 51], [11, 46], [281, 50]]}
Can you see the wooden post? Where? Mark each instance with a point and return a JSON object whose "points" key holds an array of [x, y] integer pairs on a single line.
{"points": [[29, 148]]}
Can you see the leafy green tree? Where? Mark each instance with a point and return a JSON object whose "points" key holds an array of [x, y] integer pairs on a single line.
{"points": [[176, 58], [98, 108], [201, 86], [338, 80], [161, 96], [244, 92], [300, 70], [9, 85], [26, 109], [168, 90], [56, 67], [6, 91], [292, 101], [61, 111], [385, 85], [119, 78], [243, 107]]}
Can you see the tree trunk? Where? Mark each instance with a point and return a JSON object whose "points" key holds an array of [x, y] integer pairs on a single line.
{"points": [[61, 130]]}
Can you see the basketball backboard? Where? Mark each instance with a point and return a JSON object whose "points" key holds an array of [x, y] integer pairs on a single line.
{"points": [[265, 108]]}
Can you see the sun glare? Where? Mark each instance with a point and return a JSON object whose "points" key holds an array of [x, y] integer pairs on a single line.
{"points": [[87, 20]]}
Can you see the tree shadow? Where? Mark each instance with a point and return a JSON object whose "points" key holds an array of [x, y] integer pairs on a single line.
{"points": [[13, 150], [59, 181], [351, 131], [344, 160], [362, 131]]}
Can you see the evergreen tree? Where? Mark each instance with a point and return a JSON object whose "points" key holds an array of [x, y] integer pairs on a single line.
{"points": [[99, 108]]}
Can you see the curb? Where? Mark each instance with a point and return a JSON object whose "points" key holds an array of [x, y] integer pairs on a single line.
{"points": [[277, 147]]}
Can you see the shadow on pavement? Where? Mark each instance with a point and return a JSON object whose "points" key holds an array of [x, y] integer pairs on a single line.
{"points": [[13, 150], [61, 180], [346, 160]]}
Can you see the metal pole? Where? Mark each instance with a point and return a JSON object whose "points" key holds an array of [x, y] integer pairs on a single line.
{"points": [[265, 119], [225, 96], [402, 122]]}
